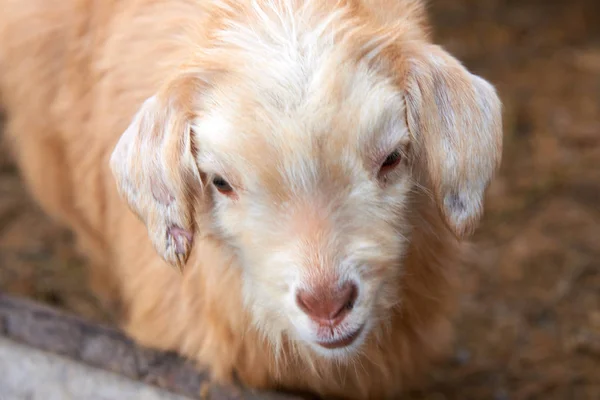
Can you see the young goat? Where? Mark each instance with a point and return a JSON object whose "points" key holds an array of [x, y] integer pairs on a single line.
{"points": [[308, 168]]}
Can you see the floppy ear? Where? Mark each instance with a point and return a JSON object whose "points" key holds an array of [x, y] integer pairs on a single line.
{"points": [[155, 170], [455, 118]]}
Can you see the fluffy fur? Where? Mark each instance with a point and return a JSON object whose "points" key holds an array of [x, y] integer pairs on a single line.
{"points": [[122, 113]]}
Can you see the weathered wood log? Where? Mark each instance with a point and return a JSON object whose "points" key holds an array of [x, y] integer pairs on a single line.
{"points": [[104, 347]]}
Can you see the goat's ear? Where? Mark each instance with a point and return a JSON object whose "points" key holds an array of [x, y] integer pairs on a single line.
{"points": [[455, 119], [155, 170]]}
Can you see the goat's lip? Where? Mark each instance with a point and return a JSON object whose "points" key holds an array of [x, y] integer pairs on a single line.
{"points": [[344, 342]]}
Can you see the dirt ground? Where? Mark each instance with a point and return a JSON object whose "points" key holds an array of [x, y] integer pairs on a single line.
{"points": [[530, 321]]}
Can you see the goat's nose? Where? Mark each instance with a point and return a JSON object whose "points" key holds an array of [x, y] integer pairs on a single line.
{"points": [[328, 306]]}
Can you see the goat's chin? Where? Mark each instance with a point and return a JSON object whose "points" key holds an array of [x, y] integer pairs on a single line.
{"points": [[342, 353], [344, 347]]}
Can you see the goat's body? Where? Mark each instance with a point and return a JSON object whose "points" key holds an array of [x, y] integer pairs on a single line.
{"points": [[70, 82]]}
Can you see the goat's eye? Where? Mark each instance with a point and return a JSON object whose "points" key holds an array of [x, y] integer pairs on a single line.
{"points": [[222, 185], [392, 160]]}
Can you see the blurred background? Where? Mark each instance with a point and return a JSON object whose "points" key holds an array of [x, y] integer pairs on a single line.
{"points": [[529, 327]]}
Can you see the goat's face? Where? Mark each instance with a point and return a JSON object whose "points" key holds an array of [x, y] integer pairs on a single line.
{"points": [[304, 168], [311, 191]]}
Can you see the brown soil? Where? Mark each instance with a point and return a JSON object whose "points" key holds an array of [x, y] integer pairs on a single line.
{"points": [[530, 322]]}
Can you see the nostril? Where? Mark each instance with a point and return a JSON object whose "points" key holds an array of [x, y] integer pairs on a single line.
{"points": [[300, 296], [327, 305], [348, 295]]}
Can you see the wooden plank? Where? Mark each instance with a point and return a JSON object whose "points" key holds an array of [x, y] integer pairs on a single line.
{"points": [[49, 329]]}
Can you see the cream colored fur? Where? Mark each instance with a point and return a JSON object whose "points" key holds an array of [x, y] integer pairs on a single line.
{"points": [[121, 114]]}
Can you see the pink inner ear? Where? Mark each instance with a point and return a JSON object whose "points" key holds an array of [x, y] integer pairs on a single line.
{"points": [[181, 238], [160, 192]]}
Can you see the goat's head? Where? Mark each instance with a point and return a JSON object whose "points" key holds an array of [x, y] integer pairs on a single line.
{"points": [[301, 154]]}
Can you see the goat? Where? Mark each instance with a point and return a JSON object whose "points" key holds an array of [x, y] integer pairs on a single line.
{"points": [[308, 168]]}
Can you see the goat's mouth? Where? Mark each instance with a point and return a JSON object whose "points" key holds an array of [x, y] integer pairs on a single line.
{"points": [[345, 341]]}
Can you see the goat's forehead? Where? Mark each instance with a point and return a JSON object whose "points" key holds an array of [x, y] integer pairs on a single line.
{"points": [[297, 121], [347, 107], [328, 135]]}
